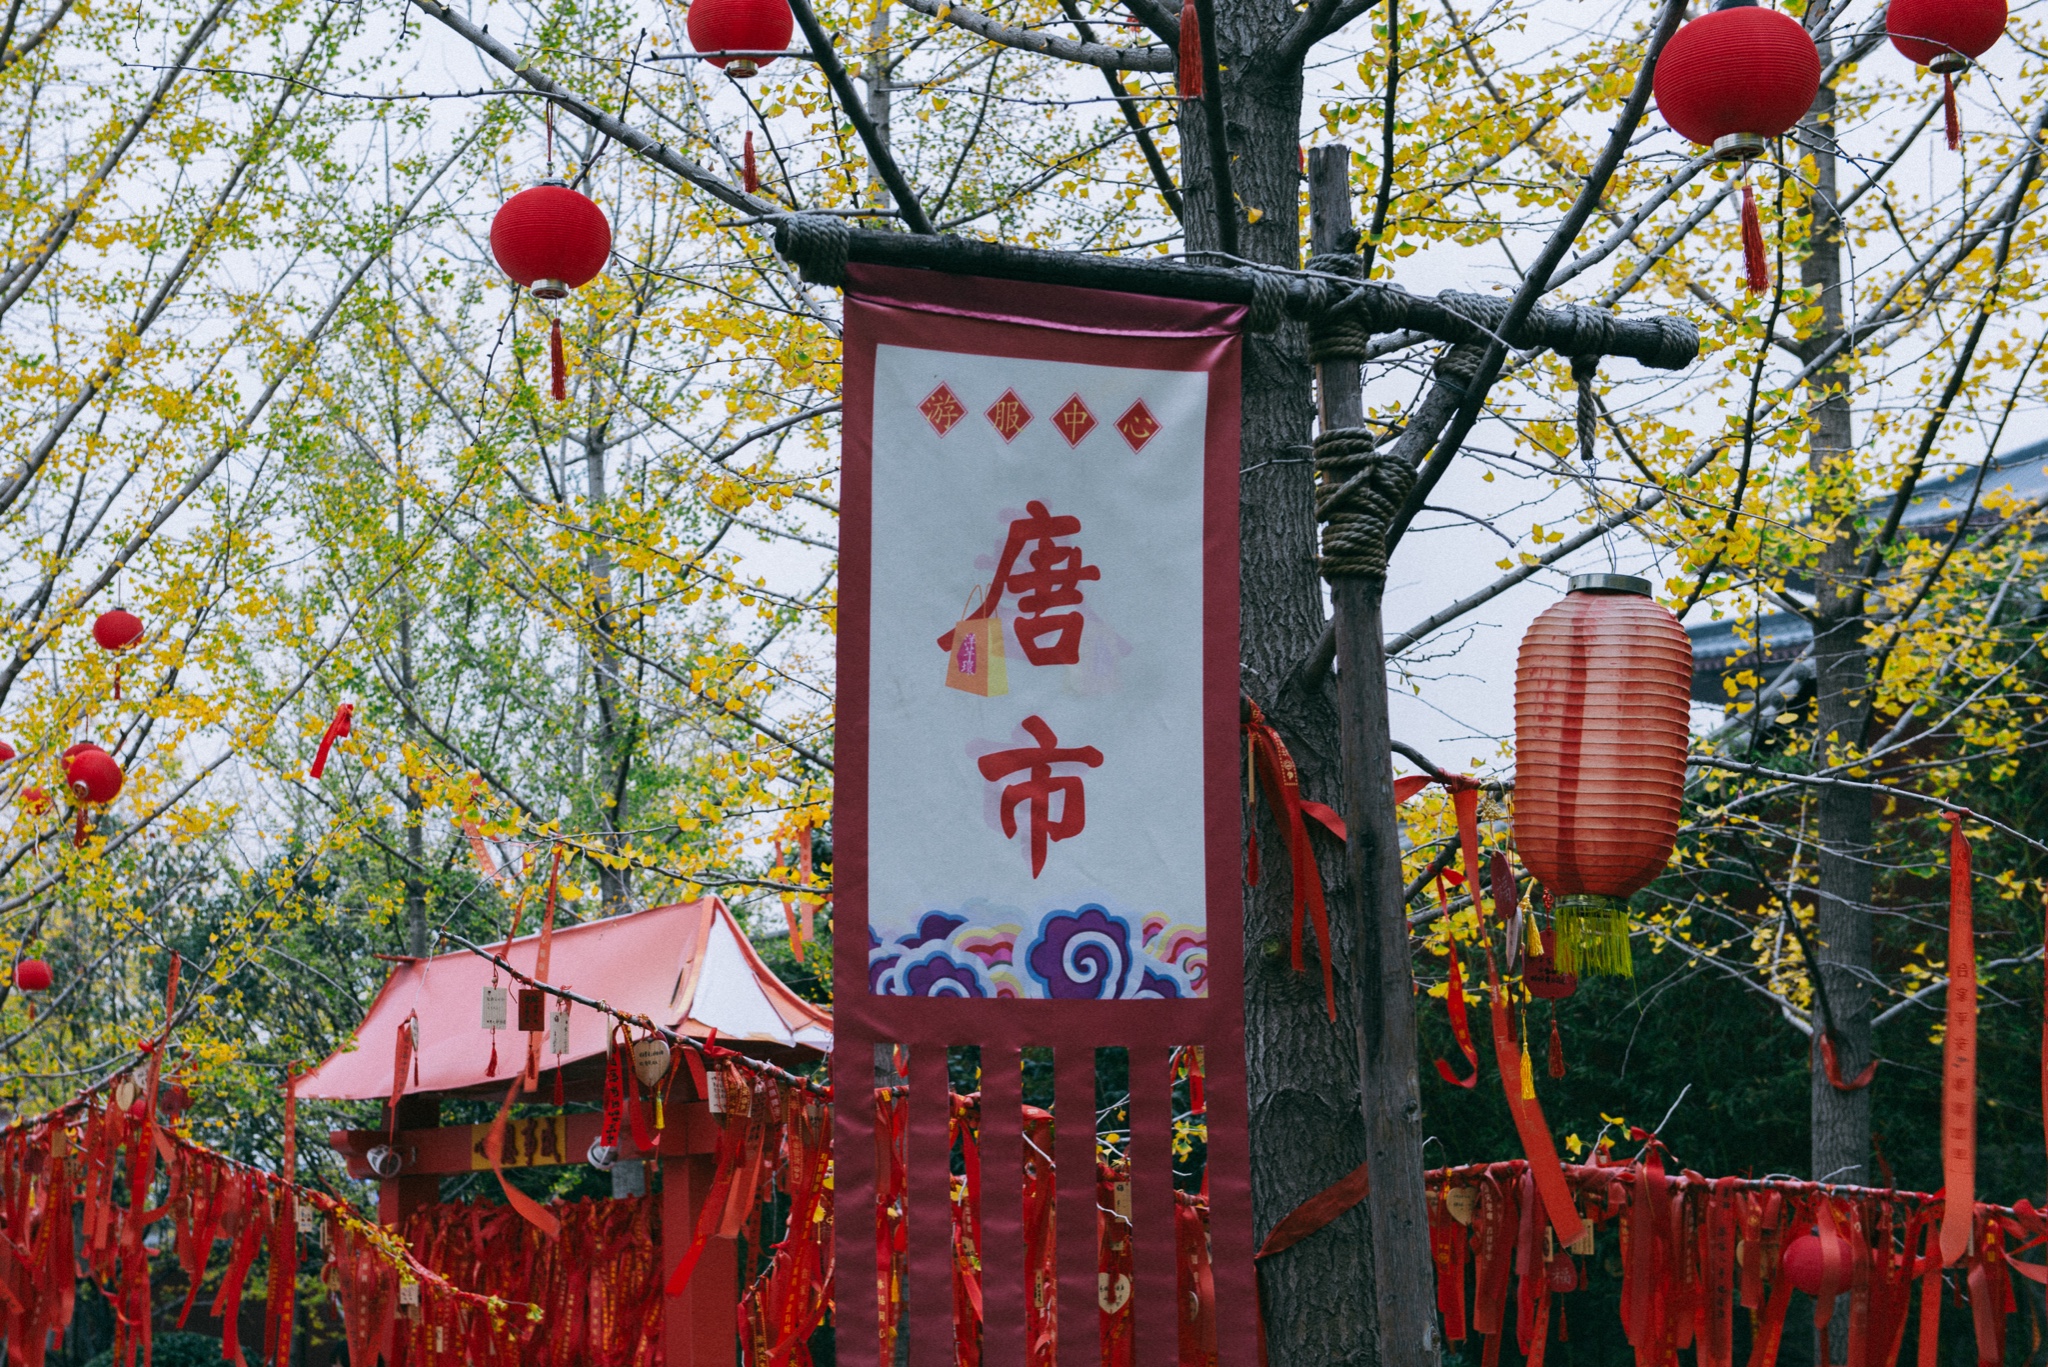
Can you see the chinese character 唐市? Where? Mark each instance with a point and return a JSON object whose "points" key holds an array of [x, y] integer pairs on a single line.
{"points": [[1040, 786], [1051, 578]]}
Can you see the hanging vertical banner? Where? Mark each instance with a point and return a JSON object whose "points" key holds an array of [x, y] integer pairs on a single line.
{"points": [[1036, 802]]}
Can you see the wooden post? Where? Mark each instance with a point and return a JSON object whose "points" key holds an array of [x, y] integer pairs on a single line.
{"points": [[699, 1328], [1404, 1280], [398, 1197]]}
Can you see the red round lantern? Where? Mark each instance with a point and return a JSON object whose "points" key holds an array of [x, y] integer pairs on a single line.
{"points": [[1805, 1267], [33, 975], [1731, 81], [7, 752], [35, 800], [1602, 700], [551, 239], [117, 630], [1945, 36], [758, 28], [1735, 78], [92, 773]]}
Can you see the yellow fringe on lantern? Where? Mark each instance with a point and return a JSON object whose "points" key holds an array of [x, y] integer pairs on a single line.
{"points": [[1592, 935]]}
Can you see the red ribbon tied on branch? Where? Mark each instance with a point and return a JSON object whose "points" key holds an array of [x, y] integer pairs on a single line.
{"points": [[1271, 762], [1959, 1057], [343, 723]]}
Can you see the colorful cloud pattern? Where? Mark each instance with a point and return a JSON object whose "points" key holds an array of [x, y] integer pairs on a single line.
{"points": [[1087, 954]]}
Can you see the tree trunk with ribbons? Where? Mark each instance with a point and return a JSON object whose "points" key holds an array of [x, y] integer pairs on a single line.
{"points": [[1308, 1124], [1842, 924]]}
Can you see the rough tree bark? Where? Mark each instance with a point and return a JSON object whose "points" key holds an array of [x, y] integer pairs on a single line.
{"points": [[1307, 1123], [1842, 938], [617, 718]]}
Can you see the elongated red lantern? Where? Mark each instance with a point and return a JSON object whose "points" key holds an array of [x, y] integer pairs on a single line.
{"points": [[751, 32], [1945, 36], [1731, 81], [1602, 699], [550, 239]]}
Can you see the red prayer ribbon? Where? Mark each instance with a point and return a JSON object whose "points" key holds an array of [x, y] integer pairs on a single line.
{"points": [[1271, 762], [1461, 1026], [342, 725], [535, 1214], [1959, 1057], [1537, 1144]]}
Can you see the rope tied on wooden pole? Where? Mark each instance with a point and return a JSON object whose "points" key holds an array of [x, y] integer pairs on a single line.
{"points": [[1360, 486], [1334, 334]]}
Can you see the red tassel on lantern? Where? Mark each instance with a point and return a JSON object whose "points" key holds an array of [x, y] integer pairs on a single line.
{"points": [[558, 364], [748, 168], [1602, 699], [1731, 81], [1189, 78], [1756, 266], [1945, 36]]}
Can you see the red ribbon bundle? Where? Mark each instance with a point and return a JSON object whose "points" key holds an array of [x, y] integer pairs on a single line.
{"points": [[342, 725], [1272, 763]]}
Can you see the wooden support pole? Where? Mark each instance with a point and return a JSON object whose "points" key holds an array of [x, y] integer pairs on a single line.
{"points": [[398, 1197], [1404, 1280], [699, 1328]]}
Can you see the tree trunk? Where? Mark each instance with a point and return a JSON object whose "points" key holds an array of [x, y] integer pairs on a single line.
{"points": [[1307, 1124], [1842, 932], [415, 805], [612, 741]]}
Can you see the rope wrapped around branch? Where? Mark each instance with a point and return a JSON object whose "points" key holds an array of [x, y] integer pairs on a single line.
{"points": [[819, 244], [822, 245], [1337, 335], [1360, 487]]}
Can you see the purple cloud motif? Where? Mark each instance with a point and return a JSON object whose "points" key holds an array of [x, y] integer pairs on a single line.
{"points": [[1157, 987], [933, 925], [1082, 955], [942, 975]]}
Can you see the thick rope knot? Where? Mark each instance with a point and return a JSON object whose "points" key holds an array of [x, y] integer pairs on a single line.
{"points": [[1360, 489], [1580, 330], [1459, 365], [1333, 334], [1584, 368], [1269, 301], [818, 244]]}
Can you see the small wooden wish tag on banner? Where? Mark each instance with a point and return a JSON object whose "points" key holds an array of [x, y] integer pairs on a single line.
{"points": [[1040, 858]]}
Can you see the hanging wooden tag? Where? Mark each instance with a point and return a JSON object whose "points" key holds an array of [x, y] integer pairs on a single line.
{"points": [[497, 1002], [533, 1008], [408, 1292], [1460, 1202], [558, 1031], [714, 1092], [651, 1060]]}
